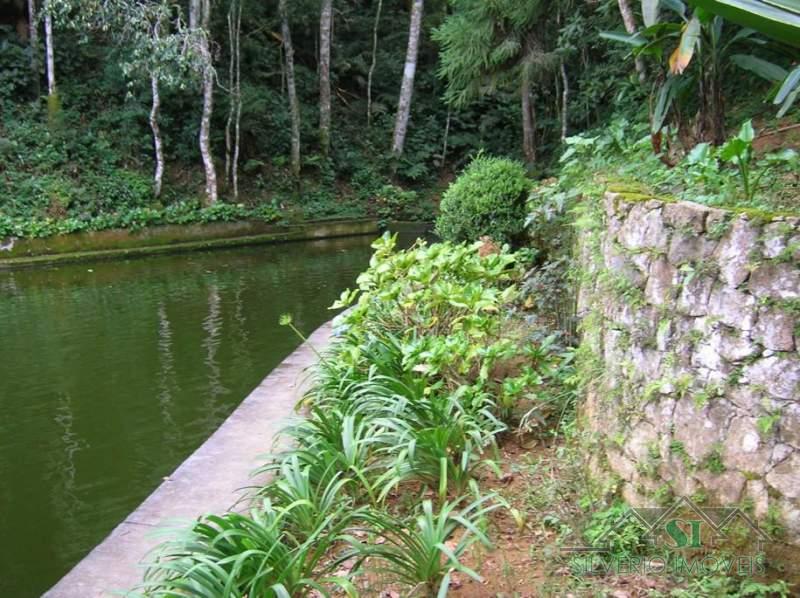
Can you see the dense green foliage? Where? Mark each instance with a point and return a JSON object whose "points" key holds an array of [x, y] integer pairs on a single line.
{"points": [[96, 158], [488, 198], [93, 157], [435, 360], [181, 212], [409, 402], [621, 153]]}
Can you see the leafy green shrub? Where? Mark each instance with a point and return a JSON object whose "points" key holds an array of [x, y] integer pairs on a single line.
{"points": [[622, 153], [366, 181], [14, 69], [135, 218], [394, 203], [323, 204], [488, 198], [439, 314], [443, 299], [609, 528], [114, 190]]}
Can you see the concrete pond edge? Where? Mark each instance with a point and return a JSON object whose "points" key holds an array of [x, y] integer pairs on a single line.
{"points": [[157, 240], [216, 478]]}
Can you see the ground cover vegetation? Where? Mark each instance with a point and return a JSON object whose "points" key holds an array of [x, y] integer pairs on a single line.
{"points": [[438, 454], [404, 417], [113, 111]]}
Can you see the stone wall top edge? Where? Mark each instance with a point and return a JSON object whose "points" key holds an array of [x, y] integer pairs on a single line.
{"points": [[630, 197]]}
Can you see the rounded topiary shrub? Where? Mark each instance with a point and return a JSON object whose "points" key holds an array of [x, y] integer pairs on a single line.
{"points": [[488, 198]]}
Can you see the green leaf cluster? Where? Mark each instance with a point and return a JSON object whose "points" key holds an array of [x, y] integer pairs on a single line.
{"points": [[487, 199], [188, 212], [403, 416]]}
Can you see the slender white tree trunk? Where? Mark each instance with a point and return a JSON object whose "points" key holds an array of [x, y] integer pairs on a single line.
{"points": [[155, 106], [53, 101], [51, 64], [325, 26], [294, 105], [374, 61], [158, 146], [33, 41], [237, 136], [208, 105], [194, 14], [231, 99], [630, 26], [232, 126], [205, 134], [409, 71]]}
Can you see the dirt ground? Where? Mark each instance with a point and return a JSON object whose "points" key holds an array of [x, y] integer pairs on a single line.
{"points": [[545, 488], [526, 560]]}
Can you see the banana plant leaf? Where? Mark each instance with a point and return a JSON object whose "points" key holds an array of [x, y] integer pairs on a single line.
{"points": [[666, 94], [789, 91], [650, 12], [763, 68], [634, 39], [778, 19], [676, 6], [682, 55]]}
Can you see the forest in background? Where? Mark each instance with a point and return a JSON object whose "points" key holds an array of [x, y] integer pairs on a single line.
{"points": [[391, 99]]}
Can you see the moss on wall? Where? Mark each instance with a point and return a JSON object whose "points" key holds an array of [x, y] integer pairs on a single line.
{"points": [[111, 244]]}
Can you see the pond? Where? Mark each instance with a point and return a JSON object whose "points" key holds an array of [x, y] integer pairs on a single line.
{"points": [[112, 373]]}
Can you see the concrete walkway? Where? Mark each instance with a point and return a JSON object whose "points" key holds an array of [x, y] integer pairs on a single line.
{"points": [[212, 479]]}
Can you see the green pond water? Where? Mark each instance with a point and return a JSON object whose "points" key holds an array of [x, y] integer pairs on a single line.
{"points": [[112, 373]]}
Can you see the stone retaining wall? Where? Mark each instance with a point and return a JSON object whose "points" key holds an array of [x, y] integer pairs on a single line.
{"points": [[691, 321]]}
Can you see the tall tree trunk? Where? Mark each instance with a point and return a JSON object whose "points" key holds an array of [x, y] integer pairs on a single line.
{"points": [[194, 14], [231, 93], [374, 61], [294, 105], [407, 88], [208, 104], [51, 66], [235, 98], [237, 128], [325, 26], [158, 146], [716, 102], [630, 26], [564, 101], [528, 125], [53, 103], [33, 41]]}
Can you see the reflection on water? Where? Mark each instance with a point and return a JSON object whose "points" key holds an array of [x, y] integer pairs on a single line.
{"points": [[213, 329], [112, 373], [167, 385], [66, 499]]}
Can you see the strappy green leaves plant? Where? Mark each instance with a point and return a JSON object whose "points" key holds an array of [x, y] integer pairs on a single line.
{"points": [[423, 553]]}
